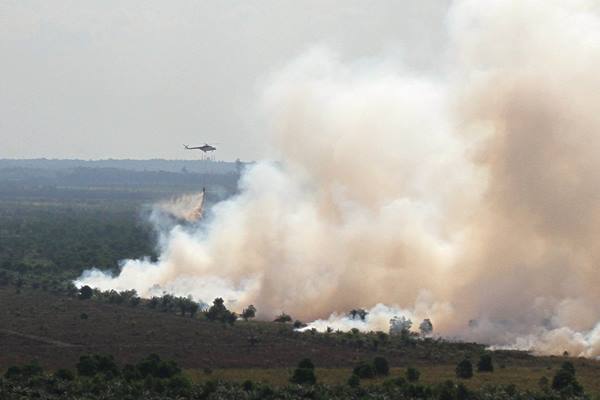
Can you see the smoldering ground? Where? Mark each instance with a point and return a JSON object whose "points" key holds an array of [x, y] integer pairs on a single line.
{"points": [[471, 195]]}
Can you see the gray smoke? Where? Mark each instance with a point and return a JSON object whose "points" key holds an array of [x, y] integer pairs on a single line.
{"points": [[468, 196]]}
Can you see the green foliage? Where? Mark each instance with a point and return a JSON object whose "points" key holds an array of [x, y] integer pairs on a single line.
{"points": [[304, 373], [412, 374], [485, 363], [354, 381], [248, 312], [364, 370], [464, 369], [304, 376], [85, 292], [381, 366], [155, 367], [248, 385], [91, 365], [306, 363], [131, 385], [64, 374], [283, 318], [25, 372], [565, 381], [218, 312]]}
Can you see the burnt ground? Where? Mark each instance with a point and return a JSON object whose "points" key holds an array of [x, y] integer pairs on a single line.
{"points": [[38, 325]]}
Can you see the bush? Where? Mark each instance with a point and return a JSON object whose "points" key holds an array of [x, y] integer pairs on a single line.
{"points": [[25, 372], [179, 384], [412, 374], [90, 365], [64, 374], [299, 324], [464, 369], [364, 370], [305, 373], [354, 381], [485, 363], [155, 367], [248, 385], [249, 312], [85, 292], [462, 393], [381, 366], [306, 363], [564, 380], [304, 376], [283, 317], [218, 312], [12, 373]]}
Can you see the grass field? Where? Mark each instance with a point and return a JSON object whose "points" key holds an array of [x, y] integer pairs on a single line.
{"points": [[39, 325], [588, 374]]}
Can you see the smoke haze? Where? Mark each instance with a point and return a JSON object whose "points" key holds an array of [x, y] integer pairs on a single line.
{"points": [[471, 195]]}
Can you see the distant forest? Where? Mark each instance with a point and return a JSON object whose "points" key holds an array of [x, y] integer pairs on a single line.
{"points": [[66, 180]]}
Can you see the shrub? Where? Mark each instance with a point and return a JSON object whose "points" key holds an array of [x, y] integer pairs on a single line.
{"points": [[364, 370], [248, 385], [13, 373], [485, 363], [85, 292], [131, 373], [304, 376], [400, 381], [462, 393], [299, 324], [248, 312], [381, 366], [155, 367], [306, 363], [412, 374], [464, 369], [354, 381], [218, 312], [179, 384], [64, 374], [283, 317], [305, 373], [90, 365], [446, 391], [26, 371], [564, 380]]}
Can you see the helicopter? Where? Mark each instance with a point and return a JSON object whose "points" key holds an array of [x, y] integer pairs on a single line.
{"points": [[205, 148]]}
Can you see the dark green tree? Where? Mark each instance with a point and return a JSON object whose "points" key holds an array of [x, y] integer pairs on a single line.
{"points": [[485, 363], [381, 365], [412, 374], [248, 312], [464, 369]]}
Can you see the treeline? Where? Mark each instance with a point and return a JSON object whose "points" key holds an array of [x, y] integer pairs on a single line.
{"points": [[99, 377], [15, 179], [184, 306]]}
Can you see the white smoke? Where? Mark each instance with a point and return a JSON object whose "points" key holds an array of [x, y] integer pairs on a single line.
{"points": [[468, 198]]}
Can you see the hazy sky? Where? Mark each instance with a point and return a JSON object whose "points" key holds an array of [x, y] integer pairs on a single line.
{"points": [[136, 79]]}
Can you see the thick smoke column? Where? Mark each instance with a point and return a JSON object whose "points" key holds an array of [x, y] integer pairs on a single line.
{"points": [[470, 196]]}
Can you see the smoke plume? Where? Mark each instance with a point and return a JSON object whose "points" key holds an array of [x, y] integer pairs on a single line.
{"points": [[470, 197]]}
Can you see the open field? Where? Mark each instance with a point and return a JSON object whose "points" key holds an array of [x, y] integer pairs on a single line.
{"points": [[38, 325], [524, 377]]}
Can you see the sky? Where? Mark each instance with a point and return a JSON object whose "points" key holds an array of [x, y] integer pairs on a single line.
{"points": [[99, 79]]}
